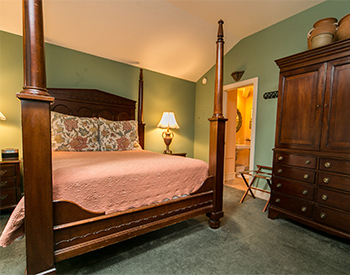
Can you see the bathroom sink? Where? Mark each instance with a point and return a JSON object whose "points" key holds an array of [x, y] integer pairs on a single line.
{"points": [[242, 147]]}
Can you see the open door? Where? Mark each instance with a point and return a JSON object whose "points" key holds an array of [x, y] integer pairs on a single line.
{"points": [[240, 101]]}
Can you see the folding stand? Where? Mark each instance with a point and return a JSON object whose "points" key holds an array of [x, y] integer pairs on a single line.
{"points": [[256, 174]]}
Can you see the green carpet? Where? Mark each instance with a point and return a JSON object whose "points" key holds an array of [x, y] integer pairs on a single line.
{"points": [[247, 243]]}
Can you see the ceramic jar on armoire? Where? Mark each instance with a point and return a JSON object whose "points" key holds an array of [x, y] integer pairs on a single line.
{"points": [[311, 163], [328, 30]]}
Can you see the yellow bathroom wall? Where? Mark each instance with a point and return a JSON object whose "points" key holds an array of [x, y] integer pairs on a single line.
{"points": [[241, 107], [245, 105]]}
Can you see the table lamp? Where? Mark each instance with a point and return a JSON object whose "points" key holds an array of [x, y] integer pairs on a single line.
{"points": [[168, 121]]}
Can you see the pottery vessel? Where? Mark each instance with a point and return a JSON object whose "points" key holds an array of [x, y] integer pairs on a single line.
{"points": [[325, 27], [343, 30]]}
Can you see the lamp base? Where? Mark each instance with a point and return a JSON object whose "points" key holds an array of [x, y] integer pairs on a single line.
{"points": [[167, 151], [168, 137]]}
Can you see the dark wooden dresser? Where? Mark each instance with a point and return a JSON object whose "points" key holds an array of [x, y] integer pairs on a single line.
{"points": [[311, 164], [10, 184]]}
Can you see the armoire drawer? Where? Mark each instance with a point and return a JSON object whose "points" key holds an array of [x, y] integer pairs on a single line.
{"points": [[294, 173], [334, 181], [293, 188], [337, 219], [293, 204], [335, 165], [333, 199], [295, 160]]}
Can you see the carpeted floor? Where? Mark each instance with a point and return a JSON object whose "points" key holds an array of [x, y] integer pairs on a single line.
{"points": [[247, 243]]}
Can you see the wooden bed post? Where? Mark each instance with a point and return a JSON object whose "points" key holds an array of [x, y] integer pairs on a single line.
{"points": [[36, 134], [217, 135], [141, 125]]}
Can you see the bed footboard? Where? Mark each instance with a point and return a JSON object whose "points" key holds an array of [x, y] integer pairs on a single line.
{"points": [[75, 238], [82, 231]]}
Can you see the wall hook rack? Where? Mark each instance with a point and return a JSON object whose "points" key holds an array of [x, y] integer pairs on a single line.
{"points": [[270, 95]]}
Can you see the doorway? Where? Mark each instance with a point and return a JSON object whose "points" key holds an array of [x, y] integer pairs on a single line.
{"points": [[239, 106]]}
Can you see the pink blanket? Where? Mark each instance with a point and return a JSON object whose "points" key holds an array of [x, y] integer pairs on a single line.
{"points": [[115, 181]]}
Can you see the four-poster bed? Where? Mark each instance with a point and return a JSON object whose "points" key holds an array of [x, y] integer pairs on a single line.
{"points": [[59, 230]]}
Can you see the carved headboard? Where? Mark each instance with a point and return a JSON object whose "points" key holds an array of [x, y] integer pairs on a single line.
{"points": [[92, 103]]}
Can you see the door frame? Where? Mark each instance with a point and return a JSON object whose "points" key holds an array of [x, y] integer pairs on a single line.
{"points": [[252, 81]]}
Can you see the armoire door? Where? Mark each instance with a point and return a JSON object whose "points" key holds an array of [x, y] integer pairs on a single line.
{"points": [[336, 120], [299, 113]]}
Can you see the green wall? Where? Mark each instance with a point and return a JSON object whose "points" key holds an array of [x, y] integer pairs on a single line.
{"points": [[255, 55], [72, 69]]}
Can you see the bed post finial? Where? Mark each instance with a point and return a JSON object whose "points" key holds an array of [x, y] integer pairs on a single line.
{"points": [[217, 135], [219, 71], [220, 30], [141, 125]]}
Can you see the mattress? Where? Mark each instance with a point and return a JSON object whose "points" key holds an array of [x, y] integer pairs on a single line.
{"points": [[115, 181]]}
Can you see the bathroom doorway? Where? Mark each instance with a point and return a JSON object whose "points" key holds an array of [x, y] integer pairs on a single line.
{"points": [[239, 106]]}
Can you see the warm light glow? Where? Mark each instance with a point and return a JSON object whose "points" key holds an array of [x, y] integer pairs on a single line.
{"points": [[2, 117], [168, 120]]}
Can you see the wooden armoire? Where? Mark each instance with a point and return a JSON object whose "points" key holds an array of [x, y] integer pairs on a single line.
{"points": [[311, 163]]}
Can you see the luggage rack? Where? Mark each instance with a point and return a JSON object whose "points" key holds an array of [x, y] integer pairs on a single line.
{"points": [[256, 174]]}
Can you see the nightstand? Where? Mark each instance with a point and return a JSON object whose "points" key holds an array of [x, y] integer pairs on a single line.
{"points": [[10, 184], [179, 154]]}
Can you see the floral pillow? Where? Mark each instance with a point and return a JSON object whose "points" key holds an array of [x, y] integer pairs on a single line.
{"points": [[71, 133], [119, 135]]}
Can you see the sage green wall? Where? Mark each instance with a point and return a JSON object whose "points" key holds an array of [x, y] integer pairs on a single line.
{"points": [[11, 81], [255, 55], [72, 69]]}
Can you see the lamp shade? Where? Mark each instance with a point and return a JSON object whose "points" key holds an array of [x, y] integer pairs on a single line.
{"points": [[168, 120], [2, 117]]}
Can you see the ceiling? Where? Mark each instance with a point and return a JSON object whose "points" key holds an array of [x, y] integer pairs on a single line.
{"points": [[176, 38]]}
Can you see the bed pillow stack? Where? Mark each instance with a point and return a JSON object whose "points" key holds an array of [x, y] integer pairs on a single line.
{"points": [[72, 133]]}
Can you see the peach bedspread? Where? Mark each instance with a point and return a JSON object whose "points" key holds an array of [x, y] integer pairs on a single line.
{"points": [[115, 181]]}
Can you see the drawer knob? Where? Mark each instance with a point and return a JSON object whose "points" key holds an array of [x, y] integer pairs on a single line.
{"points": [[279, 171], [2, 172], [327, 164], [305, 192], [323, 215], [2, 197], [279, 185], [304, 209], [326, 180], [3, 183], [324, 197], [280, 158], [278, 200], [306, 176], [307, 162]]}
